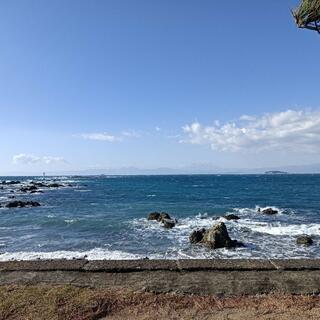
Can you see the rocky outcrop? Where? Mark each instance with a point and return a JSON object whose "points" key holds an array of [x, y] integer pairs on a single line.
{"points": [[168, 223], [268, 211], [22, 204], [153, 216], [231, 217], [55, 185], [215, 237], [196, 236], [10, 182], [38, 184], [163, 218], [28, 189], [304, 240]]}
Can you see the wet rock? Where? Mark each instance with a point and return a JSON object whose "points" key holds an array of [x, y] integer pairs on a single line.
{"points": [[153, 216], [268, 211], [163, 216], [39, 184], [237, 244], [168, 223], [215, 237], [231, 217], [10, 182], [55, 185], [28, 188], [304, 240], [22, 204], [196, 236]]}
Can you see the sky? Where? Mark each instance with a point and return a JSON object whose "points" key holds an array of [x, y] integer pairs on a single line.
{"points": [[92, 84]]}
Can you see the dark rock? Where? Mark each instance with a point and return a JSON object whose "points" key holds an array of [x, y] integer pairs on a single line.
{"points": [[22, 204], [304, 240], [237, 244], [39, 184], [196, 236], [54, 185], [268, 211], [36, 191], [231, 217], [163, 216], [10, 182], [28, 188], [153, 216], [168, 223], [217, 237]]}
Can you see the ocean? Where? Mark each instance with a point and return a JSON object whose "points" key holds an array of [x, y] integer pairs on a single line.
{"points": [[105, 217]]}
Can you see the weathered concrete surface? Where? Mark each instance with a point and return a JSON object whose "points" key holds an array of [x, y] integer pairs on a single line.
{"points": [[222, 277]]}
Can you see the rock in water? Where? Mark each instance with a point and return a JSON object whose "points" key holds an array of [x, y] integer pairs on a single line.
{"points": [[269, 211], [10, 182], [55, 185], [196, 236], [231, 217], [217, 237], [304, 240], [28, 188], [153, 216], [163, 216], [22, 204], [168, 223]]}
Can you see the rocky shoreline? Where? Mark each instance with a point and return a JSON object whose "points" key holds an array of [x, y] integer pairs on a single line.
{"points": [[18, 189], [217, 236]]}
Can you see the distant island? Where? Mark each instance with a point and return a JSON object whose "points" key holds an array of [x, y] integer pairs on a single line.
{"points": [[276, 172]]}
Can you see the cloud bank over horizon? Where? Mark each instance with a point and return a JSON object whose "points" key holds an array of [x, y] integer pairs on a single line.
{"points": [[294, 131], [28, 159]]}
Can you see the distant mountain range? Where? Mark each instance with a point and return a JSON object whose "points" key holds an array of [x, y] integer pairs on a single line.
{"points": [[192, 169]]}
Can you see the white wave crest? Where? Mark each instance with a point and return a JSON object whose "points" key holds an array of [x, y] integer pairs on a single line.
{"points": [[94, 254]]}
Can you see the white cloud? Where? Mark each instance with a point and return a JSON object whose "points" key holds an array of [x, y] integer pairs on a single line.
{"points": [[99, 137], [130, 134], [246, 117], [23, 158], [297, 131], [157, 129], [104, 136]]}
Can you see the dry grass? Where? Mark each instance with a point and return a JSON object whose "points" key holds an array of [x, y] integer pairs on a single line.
{"points": [[69, 302]]}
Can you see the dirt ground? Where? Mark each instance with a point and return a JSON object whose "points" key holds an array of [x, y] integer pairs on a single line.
{"points": [[69, 302]]}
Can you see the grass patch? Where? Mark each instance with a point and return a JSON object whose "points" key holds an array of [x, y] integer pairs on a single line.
{"points": [[74, 303]]}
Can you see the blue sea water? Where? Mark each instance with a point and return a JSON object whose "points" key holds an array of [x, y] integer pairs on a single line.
{"points": [[105, 217]]}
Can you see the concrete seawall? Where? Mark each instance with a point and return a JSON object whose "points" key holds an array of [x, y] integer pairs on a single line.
{"points": [[220, 277]]}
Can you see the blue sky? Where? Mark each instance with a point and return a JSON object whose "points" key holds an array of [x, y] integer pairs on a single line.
{"points": [[99, 84]]}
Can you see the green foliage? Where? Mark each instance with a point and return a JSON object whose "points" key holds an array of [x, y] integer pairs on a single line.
{"points": [[307, 15]]}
